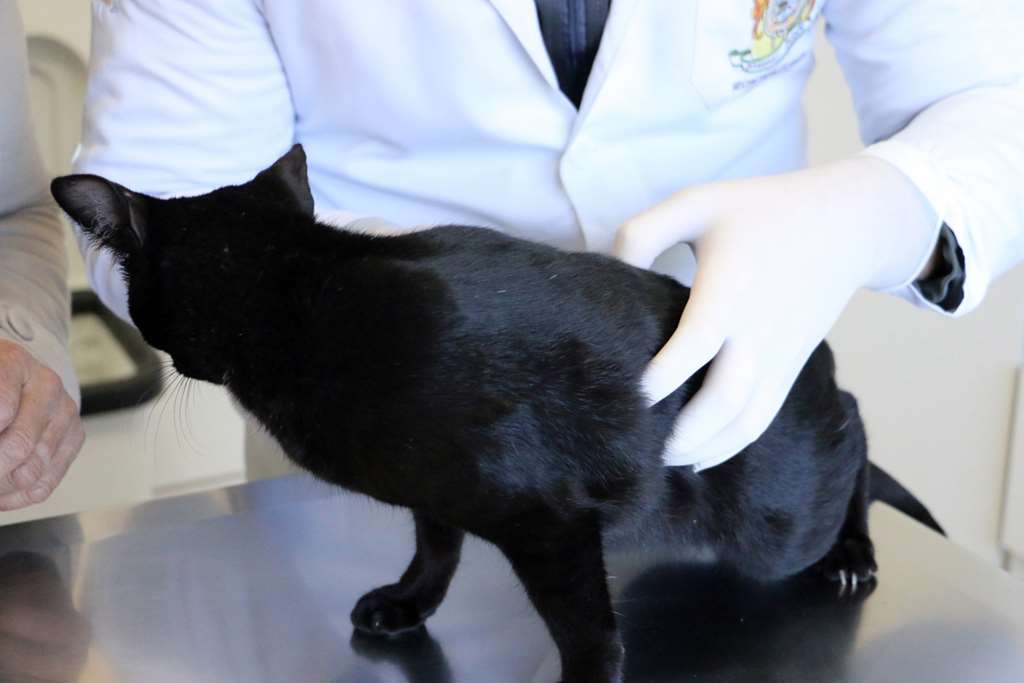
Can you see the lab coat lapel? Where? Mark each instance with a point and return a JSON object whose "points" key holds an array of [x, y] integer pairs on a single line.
{"points": [[620, 16], [521, 18]]}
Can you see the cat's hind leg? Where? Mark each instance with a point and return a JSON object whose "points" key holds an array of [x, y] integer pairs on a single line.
{"points": [[403, 606], [851, 560], [563, 572]]}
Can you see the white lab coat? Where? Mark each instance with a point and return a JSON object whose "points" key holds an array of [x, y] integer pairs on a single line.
{"points": [[428, 112]]}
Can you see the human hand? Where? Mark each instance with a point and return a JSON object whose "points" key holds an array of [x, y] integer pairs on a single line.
{"points": [[40, 430], [778, 258]]}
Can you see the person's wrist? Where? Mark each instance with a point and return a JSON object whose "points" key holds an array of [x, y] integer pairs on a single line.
{"points": [[49, 351], [900, 226]]}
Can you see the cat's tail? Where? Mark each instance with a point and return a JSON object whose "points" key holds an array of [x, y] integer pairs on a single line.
{"points": [[886, 489]]}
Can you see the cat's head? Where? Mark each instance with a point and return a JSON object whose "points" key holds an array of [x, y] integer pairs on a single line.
{"points": [[190, 263]]}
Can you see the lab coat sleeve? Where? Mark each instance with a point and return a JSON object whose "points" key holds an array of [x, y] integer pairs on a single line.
{"points": [[938, 86], [184, 96], [33, 263]]}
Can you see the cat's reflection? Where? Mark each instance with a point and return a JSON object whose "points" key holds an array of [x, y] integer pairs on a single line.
{"points": [[714, 626], [416, 654], [696, 622], [43, 638]]}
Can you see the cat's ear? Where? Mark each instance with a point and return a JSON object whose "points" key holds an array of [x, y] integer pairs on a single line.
{"points": [[108, 213], [289, 175]]}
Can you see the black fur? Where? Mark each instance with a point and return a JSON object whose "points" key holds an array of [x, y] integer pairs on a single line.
{"points": [[489, 384]]}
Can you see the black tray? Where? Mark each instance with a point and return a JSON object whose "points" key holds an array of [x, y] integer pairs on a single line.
{"points": [[143, 386]]}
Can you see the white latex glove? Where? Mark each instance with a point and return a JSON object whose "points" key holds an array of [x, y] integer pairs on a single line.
{"points": [[778, 258], [366, 225]]}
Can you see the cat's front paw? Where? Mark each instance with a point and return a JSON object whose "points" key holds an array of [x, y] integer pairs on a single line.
{"points": [[381, 613], [850, 563]]}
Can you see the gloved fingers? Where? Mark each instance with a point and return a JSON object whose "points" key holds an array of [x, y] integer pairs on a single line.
{"points": [[724, 456], [682, 218], [698, 337], [723, 397], [690, 348], [767, 399], [745, 429]]}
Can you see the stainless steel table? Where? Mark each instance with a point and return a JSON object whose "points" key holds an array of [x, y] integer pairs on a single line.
{"points": [[255, 583]]}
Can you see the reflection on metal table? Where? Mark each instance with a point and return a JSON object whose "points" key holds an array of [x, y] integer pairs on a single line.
{"points": [[255, 584]]}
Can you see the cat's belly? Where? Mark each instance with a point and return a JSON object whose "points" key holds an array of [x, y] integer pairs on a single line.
{"points": [[669, 546]]}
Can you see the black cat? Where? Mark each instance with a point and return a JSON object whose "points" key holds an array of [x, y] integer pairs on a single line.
{"points": [[487, 383]]}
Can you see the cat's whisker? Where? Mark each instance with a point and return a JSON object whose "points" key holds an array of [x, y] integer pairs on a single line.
{"points": [[175, 409], [159, 401], [180, 417], [171, 403], [191, 439]]}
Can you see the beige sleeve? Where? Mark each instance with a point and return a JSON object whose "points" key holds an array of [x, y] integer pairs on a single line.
{"points": [[33, 263]]}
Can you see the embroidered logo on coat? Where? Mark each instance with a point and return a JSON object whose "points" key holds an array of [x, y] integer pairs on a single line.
{"points": [[778, 24]]}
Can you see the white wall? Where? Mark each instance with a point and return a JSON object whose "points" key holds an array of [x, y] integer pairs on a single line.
{"points": [[936, 393]]}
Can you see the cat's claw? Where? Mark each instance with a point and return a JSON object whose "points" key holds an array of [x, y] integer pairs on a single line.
{"points": [[850, 563], [849, 581]]}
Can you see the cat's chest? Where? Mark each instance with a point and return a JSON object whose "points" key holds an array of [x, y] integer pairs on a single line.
{"points": [[382, 444]]}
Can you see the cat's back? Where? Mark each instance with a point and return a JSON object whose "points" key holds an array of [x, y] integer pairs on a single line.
{"points": [[514, 287], [526, 357], [493, 300]]}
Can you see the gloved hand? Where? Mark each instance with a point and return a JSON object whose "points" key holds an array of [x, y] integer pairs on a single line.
{"points": [[367, 225], [778, 258], [40, 430]]}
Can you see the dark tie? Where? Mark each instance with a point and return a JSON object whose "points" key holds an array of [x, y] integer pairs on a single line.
{"points": [[572, 33]]}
